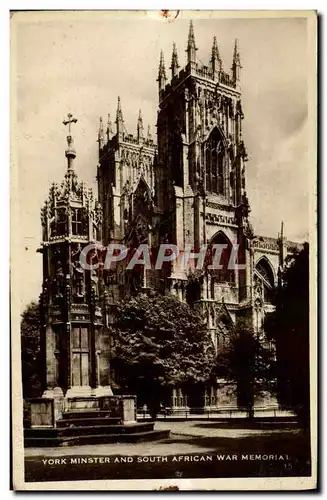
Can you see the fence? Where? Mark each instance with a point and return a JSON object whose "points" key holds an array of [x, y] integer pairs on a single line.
{"points": [[215, 413]]}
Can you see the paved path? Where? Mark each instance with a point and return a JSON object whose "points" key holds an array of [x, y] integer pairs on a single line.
{"points": [[212, 429], [175, 444]]}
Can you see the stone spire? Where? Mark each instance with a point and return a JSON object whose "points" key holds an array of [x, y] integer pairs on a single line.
{"points": [[174, 62], [216, 61], [109, 128], [162, 79], [101, 134], [236, 66], [70, 151], [140, 135], [119, 119], [191, 48]]}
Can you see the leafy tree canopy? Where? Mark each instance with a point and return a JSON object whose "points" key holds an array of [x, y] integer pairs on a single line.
{"points": [[289, 327], [160, 342], [248, 361]]}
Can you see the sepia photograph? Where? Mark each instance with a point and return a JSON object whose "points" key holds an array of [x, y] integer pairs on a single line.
{"points": [[163, 250]]}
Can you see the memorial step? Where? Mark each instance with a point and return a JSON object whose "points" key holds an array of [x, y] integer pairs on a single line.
{"points": [[76, 414], [63, 432], [43, 441], [87, 421]]}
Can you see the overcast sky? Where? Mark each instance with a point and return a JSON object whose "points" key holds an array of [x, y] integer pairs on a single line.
{"points": [[81, 64]]}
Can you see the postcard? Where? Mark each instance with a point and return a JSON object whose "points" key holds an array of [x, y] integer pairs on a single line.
{"points": [[163, 250]]}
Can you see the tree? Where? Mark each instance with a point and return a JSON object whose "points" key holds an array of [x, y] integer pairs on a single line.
{"points": [[30, 345], [289, 327], [160, 343], [248, 362]]}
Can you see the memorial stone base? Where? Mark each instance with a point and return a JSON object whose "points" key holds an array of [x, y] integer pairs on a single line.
{"points": [[80, 417]]}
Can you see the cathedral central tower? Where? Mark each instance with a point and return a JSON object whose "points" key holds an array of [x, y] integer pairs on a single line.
{"points": [[200, 127], [200, 178]]}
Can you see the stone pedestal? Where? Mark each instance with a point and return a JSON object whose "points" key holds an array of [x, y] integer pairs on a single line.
{"points": [[51, 408], [57, 397], [41, 413], [128, 409], [79, 392]]}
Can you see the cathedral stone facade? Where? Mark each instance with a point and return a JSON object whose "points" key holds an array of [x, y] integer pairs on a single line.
{"points": [[187, 189]]}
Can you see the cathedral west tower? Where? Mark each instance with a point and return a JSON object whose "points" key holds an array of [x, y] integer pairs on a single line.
{"points": [[200, 177]]}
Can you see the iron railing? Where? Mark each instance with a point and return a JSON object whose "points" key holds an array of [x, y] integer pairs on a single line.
{"points": [[219, 413]]}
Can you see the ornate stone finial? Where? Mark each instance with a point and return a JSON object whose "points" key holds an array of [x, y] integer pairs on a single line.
{"points": [[191, 48], [162, 79], [109, 128], [236, 66], [70, 151], [236, 54], [174, 62], [140, 126], [191, 37], [119, 119], [216, 61], [119, 113], [69, 121], [101, 134], [162, 71]]}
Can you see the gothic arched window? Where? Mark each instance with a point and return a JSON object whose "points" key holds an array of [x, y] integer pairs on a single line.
{"points": [[214, 162], [223, 274], [266, 275]]}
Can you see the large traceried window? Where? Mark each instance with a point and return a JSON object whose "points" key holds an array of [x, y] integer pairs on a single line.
{"points": [[214, 157], [222, 274], [266, 275], [80, 356]]}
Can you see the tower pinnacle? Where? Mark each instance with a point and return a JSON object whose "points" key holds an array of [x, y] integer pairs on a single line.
{"points": [[70, 151], [140, 127], [236, 66], [191, 48], [119, 119], [216, 61], [101, 134], [109, 128], [162, 79], [174, 62]]}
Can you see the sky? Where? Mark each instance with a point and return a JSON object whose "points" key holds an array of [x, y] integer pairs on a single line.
{"points": [[81, 62]]}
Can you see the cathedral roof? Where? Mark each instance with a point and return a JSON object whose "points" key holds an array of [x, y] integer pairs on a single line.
{"points": [[267, 242]]}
